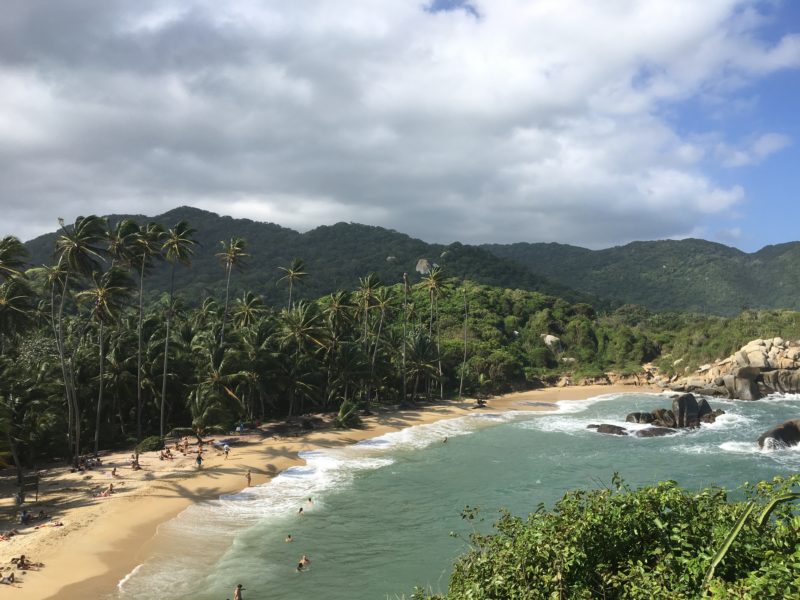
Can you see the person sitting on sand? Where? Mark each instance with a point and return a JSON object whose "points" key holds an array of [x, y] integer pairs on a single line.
{"points": [[106, 492], [289, 538], [8, 579], [114, 472], [22, 563]]}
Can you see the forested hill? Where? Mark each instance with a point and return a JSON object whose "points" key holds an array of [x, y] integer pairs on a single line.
{"points": [[335, 257], [691, 275]]}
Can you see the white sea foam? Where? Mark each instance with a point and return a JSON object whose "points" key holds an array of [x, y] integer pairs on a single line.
{"points": [[133, 573]]}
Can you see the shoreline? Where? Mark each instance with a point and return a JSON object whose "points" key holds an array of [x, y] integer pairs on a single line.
{"points": [[103, 540]]}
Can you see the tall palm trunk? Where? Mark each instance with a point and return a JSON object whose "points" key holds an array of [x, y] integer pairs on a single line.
{"points": [[439, 352], [166, 350], [99, 394], [69, 390], [225, 312], [372, 366], [290, 294], [405, 323], [464, 361], [139, 354]]}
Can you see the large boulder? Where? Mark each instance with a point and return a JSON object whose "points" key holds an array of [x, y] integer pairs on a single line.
{"points": [[609, 429], [784, 435], [686, 412], [745, 386], [639, 417], [703, 408], [654, 432], [663, 417]]}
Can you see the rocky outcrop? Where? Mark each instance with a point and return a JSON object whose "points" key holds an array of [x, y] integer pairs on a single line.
{"points": [[784, 435], [686, 413], [757, 369]]}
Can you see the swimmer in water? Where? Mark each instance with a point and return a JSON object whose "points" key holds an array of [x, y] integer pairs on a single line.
{"points": [[288, 538], [300, 511]]}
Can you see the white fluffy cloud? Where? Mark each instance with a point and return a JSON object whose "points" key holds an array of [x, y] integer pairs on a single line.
{"points": [[544, 120]]}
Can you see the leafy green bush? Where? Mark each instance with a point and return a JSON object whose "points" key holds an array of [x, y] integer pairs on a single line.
{"points": [[653, 542], [151, 443], [347, 416]]}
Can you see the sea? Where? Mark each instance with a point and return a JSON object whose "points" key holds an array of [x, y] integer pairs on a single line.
{"points": [[386, 513]]}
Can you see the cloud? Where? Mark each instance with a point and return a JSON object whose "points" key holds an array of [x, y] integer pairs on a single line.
{"points": [[753, 151], [499, 120]]}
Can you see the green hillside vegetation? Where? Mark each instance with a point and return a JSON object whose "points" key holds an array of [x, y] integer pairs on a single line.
{"points": [[686, 275], [88, 362], [655, 542], [337, 255]]}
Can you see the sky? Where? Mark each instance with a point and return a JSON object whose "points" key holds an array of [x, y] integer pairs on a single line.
{"points": [[574, 121]]}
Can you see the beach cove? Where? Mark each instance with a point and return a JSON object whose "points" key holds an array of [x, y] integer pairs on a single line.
{"points": [[104, 539]]}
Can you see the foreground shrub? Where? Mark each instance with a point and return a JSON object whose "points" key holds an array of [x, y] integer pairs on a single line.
{"points": [[151, 443], [653, 542]]}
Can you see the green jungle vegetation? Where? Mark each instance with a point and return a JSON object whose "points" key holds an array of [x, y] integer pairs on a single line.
{"points": [[89, 360], [686, 275], [653, 542]]}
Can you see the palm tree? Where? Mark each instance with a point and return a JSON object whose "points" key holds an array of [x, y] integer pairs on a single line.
{"points": [[106, 299], [464, 361], [383, 300], [146, 246], [178, 248], [120, 242], [301, 336], [78, 249], [421, 359], [12, 257], [405, 327], [246, 310], [432, 281], [232, 256], [294, 275]]}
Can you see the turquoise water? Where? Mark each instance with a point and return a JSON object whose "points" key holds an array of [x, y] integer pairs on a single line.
{"points": [[383, 509]]}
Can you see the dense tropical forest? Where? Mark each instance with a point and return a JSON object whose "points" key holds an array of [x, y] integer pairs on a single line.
{"points": [[687, 275], [89, 359]]}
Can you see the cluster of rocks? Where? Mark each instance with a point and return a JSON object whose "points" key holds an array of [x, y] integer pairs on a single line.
{"points": [[686, 413], [757, 369]]}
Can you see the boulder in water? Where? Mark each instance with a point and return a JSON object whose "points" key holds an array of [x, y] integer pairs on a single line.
{"points": [[663, 417], [685, 410], [784, 435], [639, 417], [654, 432], [609, 429]]}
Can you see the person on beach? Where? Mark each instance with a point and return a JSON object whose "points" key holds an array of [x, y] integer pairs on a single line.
{"points": [[237, 592], [288, 538], [106, 492], [199, 460], [8, 579], [226, 449], [25, 517], [248, 477]]}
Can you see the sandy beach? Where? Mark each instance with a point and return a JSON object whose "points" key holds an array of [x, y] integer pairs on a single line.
{"points": [[103, 539]]}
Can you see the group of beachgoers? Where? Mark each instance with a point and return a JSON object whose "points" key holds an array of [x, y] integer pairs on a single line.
{"points": [[302, 563]]}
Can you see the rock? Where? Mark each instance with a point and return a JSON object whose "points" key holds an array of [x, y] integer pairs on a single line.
{"points": [[784, 435], [552, 342], [758, 359], [712, 416], [654, 432], [609, 429], [741, 358], [639, 417], [685, 409], [703, 408], [744, 383], [663, 418]]}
